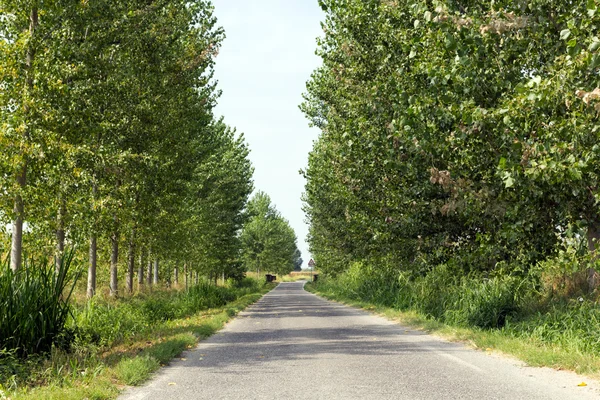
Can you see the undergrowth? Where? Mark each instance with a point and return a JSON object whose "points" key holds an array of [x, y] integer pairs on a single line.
{"points": [[121, 342], [513, 312]]}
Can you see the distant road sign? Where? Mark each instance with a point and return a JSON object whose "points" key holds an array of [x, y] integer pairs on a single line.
{"points": [[311, 263]]}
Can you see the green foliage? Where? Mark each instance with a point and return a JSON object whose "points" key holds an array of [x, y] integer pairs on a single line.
{"points": [[459, 151], [441, 294], [107, 322], [116, 142], [34, 306], [268, 241]]}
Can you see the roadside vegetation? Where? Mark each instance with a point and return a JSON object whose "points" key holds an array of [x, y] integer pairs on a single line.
{"points": [[97, 346], [124, 198], [457, 174]]}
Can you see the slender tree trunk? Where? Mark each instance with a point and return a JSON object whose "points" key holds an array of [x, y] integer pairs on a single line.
{"points": [[16, 250], [155, 272], [141, 268], [593, 237], [186, 275], [176, 275], [114, 260], [131, 261], [149, 276], [60, 235], [91, 283], [196, 277]]}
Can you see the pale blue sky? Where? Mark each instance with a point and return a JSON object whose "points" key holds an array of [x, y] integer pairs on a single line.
{"points": [[262, 70]]}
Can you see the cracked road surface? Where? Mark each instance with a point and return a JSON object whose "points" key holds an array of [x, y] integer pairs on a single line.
{"points": [[295, 345]]}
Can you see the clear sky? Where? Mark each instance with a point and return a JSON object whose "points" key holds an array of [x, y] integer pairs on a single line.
{"points": [[262, 70]]}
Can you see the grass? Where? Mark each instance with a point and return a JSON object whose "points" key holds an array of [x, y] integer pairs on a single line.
{"points": [[528, 340], [89, 372]]}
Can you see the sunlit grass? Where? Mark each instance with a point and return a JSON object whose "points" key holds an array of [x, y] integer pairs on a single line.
{"points": [[533, 340], [100, 373]]}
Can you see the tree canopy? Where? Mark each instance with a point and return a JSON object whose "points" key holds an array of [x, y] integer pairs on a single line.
{"points": [[453, 132], [268, 240]]}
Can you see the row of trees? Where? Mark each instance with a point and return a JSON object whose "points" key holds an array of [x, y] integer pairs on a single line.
{"points": [[268, 240], [108, 138], [454, 132]]}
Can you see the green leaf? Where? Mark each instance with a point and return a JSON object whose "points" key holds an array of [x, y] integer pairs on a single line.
{"points": [[565, 34]]}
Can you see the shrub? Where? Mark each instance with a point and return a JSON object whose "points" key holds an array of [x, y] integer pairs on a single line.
{"points": [[34, 305]]}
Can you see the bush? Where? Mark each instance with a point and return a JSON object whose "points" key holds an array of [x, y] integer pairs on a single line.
{"points": [[485, 303], [34, 306], [570, 324], [105, 322]]}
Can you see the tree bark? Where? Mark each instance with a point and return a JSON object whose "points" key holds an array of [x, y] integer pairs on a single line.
{"points": [[176, 275], [131, 262], [593, 237], [186, 275], [114, 260], [155, 277], [149, 276], [16, 249], [196, 277], [141, 268], [60, 235], [91, 283]]}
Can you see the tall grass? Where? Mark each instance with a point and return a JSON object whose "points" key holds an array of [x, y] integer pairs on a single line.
{"points": [[105, 322], [514, 305], [34, 305]]}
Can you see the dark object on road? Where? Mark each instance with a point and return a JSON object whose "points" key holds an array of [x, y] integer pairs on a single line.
{"points": [[271, 278], [315, 277]]}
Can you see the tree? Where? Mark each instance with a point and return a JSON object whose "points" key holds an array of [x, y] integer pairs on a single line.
{"points": [[458, 133], [268, 241]]}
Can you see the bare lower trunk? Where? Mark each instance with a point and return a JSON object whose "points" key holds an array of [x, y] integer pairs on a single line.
{"points": [[114, 260], [60, 236], [176, 275], [593, 237], [186, 275], [131, 262], [91, 283], [149, 276], [16, 249], [196, 279], [155, 272], [141, 268]]}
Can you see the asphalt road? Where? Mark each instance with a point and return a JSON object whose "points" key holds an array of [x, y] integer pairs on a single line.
{"points": [[294, 345]]}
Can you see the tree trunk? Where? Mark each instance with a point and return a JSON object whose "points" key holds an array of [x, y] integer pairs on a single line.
{"points": [[114, 260], [131, 262], [593, 237], [176, 275], [141, 268], [186, 275], [60, 235], [149, 277], [196, 277], [91, 283], [16, 249], [155, 272]]}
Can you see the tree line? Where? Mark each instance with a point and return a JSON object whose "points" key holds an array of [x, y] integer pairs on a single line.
{"points": [[109, 141], [458, 133]]}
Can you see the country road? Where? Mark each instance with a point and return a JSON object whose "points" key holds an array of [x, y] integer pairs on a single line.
{"points": [[295, 345]]}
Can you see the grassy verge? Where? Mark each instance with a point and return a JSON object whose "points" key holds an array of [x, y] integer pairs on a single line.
{"points": [[100, 373], [522, 340]]}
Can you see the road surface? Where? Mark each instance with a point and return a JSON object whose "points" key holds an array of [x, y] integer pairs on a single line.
{"points": [[295, 345]]}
